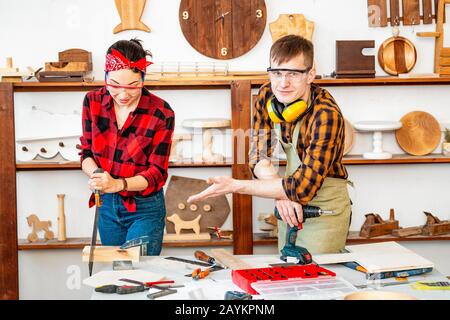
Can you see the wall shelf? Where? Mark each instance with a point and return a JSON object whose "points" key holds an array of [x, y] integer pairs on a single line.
{"points": [[80, 243], [225, 82], [348, 160], [396, 159], [258, 239], [354, 238], [27, 166]]}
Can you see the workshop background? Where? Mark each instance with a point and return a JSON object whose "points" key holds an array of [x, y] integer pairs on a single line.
{"points": [[33, 32]]}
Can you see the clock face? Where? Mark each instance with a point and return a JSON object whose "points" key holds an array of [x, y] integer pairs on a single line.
{"points": [[222, 29]]}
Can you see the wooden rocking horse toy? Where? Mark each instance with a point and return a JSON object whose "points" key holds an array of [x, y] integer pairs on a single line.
{"points": [[38, 225]]}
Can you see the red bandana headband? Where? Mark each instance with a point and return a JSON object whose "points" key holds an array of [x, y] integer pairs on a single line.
{"points": [[116, 61]]}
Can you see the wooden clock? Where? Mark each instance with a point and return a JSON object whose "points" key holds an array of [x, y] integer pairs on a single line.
{"points": [[222, 29]]}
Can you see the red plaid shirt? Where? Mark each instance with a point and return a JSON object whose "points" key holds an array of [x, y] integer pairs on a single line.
{"points": [[141, 147]]}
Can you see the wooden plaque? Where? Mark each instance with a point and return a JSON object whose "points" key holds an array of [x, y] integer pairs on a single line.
{"points": [[420, 133], [350, 62], [179, 190]]}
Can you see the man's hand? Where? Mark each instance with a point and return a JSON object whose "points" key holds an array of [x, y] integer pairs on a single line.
{"points": [[290, 212], [104, 182], [220, 186]]}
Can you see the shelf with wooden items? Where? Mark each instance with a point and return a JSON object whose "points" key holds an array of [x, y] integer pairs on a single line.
{"points": [[36, 166], [354, 238], [240, 87], [80, 243], [348, 160], [259, 239]]}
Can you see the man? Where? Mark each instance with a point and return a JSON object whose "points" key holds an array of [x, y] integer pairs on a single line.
{"points": [[310, 127]]}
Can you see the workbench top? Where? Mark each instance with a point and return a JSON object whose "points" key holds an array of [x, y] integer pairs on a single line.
{"points": [[217, 283]]}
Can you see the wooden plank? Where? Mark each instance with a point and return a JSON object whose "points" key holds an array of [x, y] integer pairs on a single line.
{"points": [[9, 271], [411, 12], [228, 260], [111, 253], [436, 11], [377, 13], [206, 37], [224, 38], [242, 204], [258, 9], [395, 12], [242, 17], [428, 34], [407, 232], [427, 9], [445, 61]]}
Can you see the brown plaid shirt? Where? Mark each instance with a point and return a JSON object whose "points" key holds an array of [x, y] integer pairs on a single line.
{"points": [[320, 144]]}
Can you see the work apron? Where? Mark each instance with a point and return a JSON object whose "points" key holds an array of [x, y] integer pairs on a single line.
{"points": [[325, 234]]}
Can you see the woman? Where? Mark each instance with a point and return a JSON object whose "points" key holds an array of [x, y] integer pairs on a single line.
{"points": [[127, 131]]}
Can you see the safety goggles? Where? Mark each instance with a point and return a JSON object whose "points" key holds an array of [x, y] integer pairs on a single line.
{"points": [[289, 74], [119, 87]]}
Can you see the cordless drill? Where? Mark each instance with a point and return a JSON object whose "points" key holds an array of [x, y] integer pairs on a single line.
{"points": [[290, 249]]}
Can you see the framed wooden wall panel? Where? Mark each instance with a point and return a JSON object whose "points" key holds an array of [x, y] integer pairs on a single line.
{"points": [[9, 279], [411, 12], [242, 204], [377, 13]]}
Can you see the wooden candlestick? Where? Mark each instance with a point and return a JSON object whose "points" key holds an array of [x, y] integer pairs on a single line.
{"points": [[61, 218]]}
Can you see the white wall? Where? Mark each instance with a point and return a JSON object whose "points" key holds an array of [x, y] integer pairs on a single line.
{"points": [[33, 32]]}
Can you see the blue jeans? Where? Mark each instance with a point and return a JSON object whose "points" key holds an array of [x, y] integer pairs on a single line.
{"points": [[116, 225]]}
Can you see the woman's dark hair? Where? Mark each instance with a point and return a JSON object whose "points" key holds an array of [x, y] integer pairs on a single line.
{"points": [[132, 50]]}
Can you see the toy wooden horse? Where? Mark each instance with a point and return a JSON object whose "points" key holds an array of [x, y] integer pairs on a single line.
{"points": [[38, 225]]}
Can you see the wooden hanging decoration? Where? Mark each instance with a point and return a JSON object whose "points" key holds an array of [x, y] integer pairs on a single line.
{"points": [[397, 55], [130, 12], [410, 13], [214, 211], [295, 24]]}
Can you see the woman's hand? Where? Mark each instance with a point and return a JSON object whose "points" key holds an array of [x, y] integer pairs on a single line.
{"points": [[105, 183], [291, 212]]}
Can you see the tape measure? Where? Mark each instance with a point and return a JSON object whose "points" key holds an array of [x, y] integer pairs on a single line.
{"points": [[438, 285]]}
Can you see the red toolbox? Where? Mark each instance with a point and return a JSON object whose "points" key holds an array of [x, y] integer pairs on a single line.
{"points": [[245, 277]]}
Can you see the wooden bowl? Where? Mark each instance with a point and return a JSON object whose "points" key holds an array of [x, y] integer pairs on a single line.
{"points": [[378, 295], [420, 133], [397, 55], [349, 137]]}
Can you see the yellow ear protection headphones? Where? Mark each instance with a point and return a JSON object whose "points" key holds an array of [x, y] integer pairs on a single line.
{"points": [[279, 112]]}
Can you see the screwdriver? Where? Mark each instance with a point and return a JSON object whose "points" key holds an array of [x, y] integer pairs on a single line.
{"points": [[200, 255]]}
